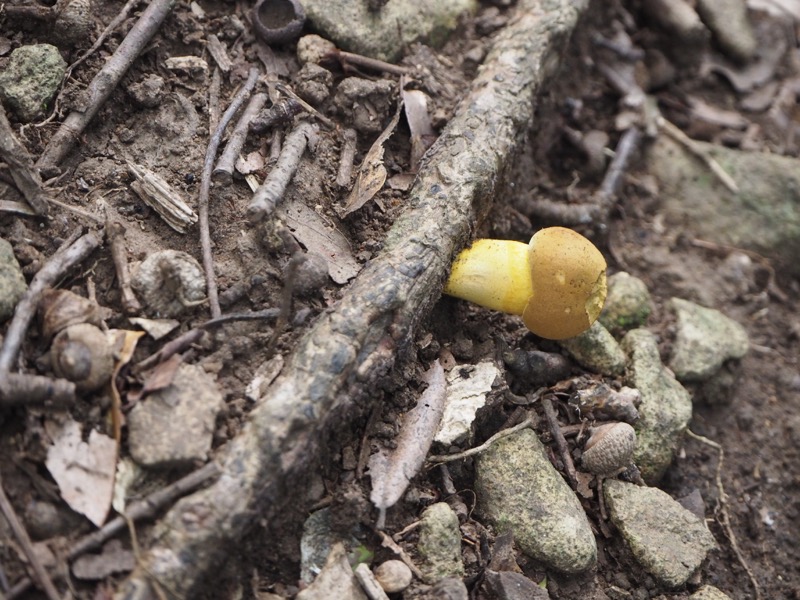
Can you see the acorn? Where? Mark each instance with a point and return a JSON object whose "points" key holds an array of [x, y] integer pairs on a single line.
{"points": [[82, 354], [609, 449]]}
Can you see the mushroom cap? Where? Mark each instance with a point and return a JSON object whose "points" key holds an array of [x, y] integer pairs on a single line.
{"points": [[568, 275]]}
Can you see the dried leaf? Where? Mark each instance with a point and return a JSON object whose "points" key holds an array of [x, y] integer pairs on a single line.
{"points": [[372, 174], [155, 328], [162, 375], [467, 387], [392, 470], [320, 237], [84, 471], [124, 344]]}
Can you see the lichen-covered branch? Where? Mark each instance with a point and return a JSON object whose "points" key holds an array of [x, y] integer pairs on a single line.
{"points": [[356, 342]]}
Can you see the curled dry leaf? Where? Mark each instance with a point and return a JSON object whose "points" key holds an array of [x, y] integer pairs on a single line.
{"points": [[392, 470], [372, 173]]}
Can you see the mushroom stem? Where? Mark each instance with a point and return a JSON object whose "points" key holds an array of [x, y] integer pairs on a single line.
{"points": [[494, 274]]}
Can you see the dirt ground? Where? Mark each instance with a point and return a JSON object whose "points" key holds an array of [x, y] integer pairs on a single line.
{"points": [[754, 414]]}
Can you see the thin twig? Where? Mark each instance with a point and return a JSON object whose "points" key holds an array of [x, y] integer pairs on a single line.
{"points": [[213, 99], [71, 253], [272, 190], [205, 189], [115, 22], [119, 254], [105, 82], [626, 147], [346, 158], [43, 579], [561, 443], [690, 145], [20, 163], [722, 507], [445, 458], [371, 63], [223, 172], [306, 106]]}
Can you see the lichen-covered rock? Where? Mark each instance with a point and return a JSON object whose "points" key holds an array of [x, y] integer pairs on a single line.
{"points": [[665, 408], [440, 543], [12, 282], [709, 592], [519, 490], [666, 539], [31, 79], [628, 303], [597, 350], [705, 339]]}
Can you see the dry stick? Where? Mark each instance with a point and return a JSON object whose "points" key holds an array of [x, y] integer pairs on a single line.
{"points": [[104, 82], [36, 389], [352, 345], [213, 100], [223, 172], [19, 161], [306, 106], [627, 145], [690, 145], [346, 158], [446, 458], [722, 504], [119, 254], [69, 255], [370, 63], [115, 22], [561, 443], [205, 190], [42, 578], [272, 190]]}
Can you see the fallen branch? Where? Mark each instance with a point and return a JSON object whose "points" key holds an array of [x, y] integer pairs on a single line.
{"points": [[104, 83], [352, 346], [70, 254], [223, 172]]}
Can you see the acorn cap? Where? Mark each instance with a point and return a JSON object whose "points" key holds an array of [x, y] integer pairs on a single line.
{"points": [[568, 278]]}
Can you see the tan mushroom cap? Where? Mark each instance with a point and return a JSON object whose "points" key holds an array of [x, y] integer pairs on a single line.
{"points": [[568, 275]]}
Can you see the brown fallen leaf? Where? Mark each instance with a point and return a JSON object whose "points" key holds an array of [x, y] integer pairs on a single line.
{"points": [[392, 470], [372, 173], [84, 471], [419, 123]]}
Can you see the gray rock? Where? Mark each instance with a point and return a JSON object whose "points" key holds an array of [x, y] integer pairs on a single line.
{"points": [[628, 303], [664, 411], [174, 426], [763, 216], [335, 581], [169, 282], [519, 490], [440, 543], [384, 33], [666, 539], [709, 592], [450, 588], [12, 281], [31, 79], [507, 585], [705, 339], [597, 350]]}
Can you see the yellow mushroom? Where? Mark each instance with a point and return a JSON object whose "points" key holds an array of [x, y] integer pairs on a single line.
{"points": [[557, 282]]}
